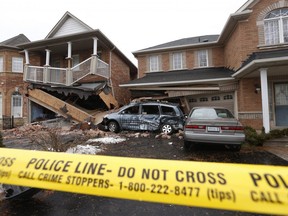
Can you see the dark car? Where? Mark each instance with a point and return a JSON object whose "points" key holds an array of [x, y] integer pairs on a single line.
{"points": [[146, 116], [215, 125]]}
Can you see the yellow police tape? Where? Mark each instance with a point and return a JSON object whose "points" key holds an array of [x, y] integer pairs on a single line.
{"points": [[252, 188]]}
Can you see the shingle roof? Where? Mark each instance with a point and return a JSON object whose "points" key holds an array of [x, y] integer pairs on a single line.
{"points": [[184, 75], [265, 55], [185, 41], [14, 41]]}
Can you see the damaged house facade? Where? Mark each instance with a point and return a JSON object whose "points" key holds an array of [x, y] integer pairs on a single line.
{"points": [[74, 72], [244, 69]]}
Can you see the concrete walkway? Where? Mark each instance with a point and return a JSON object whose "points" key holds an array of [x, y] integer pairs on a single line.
{"points": [[278, 147]]}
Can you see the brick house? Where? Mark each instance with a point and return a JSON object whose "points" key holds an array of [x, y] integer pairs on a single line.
{"points": [[74, 71], [244, 68], [11, 79]]}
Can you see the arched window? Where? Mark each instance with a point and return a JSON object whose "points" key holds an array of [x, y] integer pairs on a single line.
{"points": [[276, 27]]}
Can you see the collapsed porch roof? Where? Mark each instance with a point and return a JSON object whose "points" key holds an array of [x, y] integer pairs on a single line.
{"points": [[83, 90]]}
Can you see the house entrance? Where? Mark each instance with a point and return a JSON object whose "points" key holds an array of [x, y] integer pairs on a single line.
{"points": [[281, 104]]}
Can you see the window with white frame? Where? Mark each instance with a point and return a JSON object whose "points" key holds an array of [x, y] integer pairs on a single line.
{"points": [[16, 105], [276, 27], [17, 64], [202, 58], [154, 63], [1, 64], [177, 61]]}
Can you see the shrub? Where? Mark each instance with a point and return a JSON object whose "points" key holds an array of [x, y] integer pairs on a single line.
{"points": [[257, 139], [276, 133], [253, 138]]}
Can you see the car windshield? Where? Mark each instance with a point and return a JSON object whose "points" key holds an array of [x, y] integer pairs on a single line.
{"points": [[210, 113]]}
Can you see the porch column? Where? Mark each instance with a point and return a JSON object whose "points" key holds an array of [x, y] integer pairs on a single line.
{"points": [[47, 57], [26, 57], [27, 63], [95, 41], [69, 54], [265, 101]]}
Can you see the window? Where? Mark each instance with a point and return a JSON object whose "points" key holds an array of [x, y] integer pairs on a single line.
{"points": [[203, 99], [133, 110], [215, 98], [203, 58], [16, 105], [276, 27], [192, 100], [75, 61], [228, 97], [177, 61], [17, 64], [1, 64], [150, 110], [153, 63], [168, 111]]}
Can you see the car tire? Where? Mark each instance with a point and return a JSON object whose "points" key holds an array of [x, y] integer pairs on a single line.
{"points": [[166, 129], [113, 126], [187, 145], [235, 147]]}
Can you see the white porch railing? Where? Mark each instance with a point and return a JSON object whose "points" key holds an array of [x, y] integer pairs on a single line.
{"points": [[66, 76]]}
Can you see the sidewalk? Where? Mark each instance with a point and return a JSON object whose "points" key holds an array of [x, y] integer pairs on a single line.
{"points": [[277, 147]]}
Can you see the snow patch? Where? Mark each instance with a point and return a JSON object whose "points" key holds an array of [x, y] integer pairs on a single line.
{"points": [[107, 140], [88, 149]]}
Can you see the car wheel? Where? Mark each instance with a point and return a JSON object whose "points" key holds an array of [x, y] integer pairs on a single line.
{"points": [[189, 145], [167, 129], [113, 126]]}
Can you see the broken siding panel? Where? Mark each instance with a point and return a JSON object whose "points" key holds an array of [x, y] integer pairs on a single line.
{"points": [[70, 27]]}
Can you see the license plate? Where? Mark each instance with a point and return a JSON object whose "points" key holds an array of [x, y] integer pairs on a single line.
{"points": [[213, 129]]}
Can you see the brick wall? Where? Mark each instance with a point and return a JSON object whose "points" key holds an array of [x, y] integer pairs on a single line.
{"points": [[9, 81], [216, 60], [120, 74], [249, 34]]}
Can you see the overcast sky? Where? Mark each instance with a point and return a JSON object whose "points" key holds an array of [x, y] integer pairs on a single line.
{"points": [[130, 24]]}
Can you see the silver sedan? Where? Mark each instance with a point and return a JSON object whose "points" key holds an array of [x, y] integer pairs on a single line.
{"points": [[215, 125]]}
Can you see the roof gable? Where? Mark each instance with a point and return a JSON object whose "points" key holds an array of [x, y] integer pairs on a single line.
{"points": [[14, 41], [68, 25]]}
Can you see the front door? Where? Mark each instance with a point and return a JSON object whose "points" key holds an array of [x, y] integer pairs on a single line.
{"points": [[281, 104]]}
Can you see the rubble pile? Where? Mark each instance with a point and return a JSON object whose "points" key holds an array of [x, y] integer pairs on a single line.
{"points": [[22, 131]]}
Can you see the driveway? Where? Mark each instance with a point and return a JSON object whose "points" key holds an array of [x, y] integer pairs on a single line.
{"points": [[147, 145]]}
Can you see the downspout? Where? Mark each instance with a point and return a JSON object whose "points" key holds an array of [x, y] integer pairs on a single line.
{"points": [[110, 70]]}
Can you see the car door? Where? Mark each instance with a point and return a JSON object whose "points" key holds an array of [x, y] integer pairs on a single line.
{"points": [[149, 118], [129, 118]]}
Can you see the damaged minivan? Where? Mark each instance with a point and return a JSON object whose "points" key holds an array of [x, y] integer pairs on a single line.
{"points": [[146, 116]]}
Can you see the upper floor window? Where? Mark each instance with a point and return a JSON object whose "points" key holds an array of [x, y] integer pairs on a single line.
{"points": [[177, 61], [276, 27], [17, 64], [1, 64], [202, 58], [154, 63]]}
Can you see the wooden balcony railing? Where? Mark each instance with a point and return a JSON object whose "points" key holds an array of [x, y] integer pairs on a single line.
{"points": [[66, 76]]}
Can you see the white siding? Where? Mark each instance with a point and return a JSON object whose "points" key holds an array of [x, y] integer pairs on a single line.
{"points": [[70, 26]]}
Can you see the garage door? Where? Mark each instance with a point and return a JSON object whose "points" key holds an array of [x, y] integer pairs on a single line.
{"points": [[223, 100]]}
